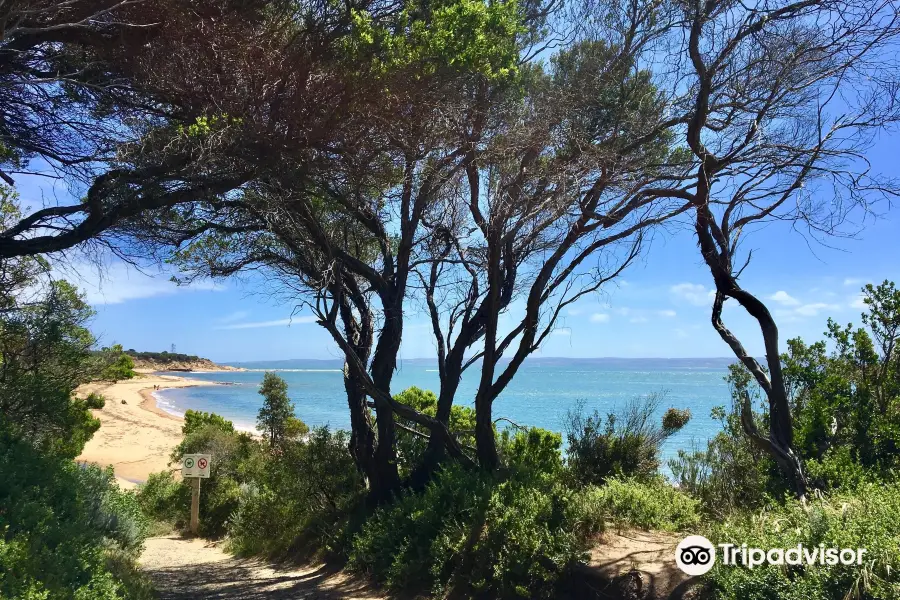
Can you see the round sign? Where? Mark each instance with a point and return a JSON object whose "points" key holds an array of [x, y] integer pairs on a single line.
{"points": [[189, 463], [201, 463]]}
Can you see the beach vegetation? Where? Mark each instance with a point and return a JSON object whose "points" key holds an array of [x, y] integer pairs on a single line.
{"points": [[66, 530], [865, 518], [650, 504], [235, 453], [627, 443], [276, 418], [163, 357]]}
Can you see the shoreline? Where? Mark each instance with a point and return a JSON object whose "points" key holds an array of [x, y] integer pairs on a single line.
{"points": [[136, 436]]}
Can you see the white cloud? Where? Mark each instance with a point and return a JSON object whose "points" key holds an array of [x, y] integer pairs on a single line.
{"points": [[855, 281], [638, 320], [235, 316], [667, 313], [276, 323], [812, 310], [120, 282], [857, 302], [695, 293], [783, 298], [599, 318]]}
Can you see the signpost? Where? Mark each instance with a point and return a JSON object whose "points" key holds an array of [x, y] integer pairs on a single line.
{"points": [[196, 467]]}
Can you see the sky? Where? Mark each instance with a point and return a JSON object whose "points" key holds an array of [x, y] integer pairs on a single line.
{"points": [[659, 308]]}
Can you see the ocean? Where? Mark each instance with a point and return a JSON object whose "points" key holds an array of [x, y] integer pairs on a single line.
{"points": [[541, 393]]}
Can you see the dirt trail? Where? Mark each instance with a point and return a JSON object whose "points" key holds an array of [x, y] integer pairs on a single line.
{"points": [[183, 569]]}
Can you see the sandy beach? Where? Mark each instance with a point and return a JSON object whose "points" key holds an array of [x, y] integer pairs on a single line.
{"points": [[136, 438]]}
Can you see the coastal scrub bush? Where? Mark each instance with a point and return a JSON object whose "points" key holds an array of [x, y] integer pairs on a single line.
{"points": [[165, 500], [866, 518], [845, 405], [411, 447], [646, 504], [302, 501], [68, 531], [276, 418], [731, 473], [233, 454], [413, 542], [511, 535], [627, 444], [197, 419]]}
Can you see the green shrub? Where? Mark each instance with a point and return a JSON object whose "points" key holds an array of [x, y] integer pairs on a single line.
{"points": [[530, 538], [532, 452], [232, 454], [413, 542], [411, 447], [164, 499], [730, 474], [627, 444], [512, 537], [652, 504], [197, 419], [63, 526], [300, 502], [867, 518]]}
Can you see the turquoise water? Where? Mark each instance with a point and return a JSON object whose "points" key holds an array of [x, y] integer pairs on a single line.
{"points": [[540, 394]]}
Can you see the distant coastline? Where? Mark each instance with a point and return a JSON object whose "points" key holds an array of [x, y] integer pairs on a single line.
{"points": [[611, 361]]}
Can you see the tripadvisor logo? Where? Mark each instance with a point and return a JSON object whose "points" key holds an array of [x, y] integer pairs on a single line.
{"points": [[696, 555]]}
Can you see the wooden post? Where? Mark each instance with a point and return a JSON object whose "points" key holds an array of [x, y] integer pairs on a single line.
{"points": [[195, 505]]}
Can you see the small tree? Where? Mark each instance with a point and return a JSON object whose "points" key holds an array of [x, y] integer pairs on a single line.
{"points": [[277, 410]]}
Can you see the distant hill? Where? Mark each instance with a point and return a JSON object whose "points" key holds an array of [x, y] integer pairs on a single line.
{"points": [[174, 361]]}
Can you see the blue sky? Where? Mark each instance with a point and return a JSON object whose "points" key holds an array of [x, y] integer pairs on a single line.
{"points": [[660, 308]]}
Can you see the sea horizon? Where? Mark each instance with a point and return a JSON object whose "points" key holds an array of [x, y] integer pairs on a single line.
{"points": [[540, 395]]}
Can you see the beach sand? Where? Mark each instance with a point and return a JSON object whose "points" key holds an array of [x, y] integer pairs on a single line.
{"points": [[136, 438]]}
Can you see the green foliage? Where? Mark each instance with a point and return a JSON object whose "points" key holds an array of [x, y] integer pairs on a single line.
{"points": [[410, 447], [233, 458], [277, 410], [532, 452], [846, 415], [194, 420], [508, 538], [652, 504], [675, 419], [67, 530], [866, 518], [45, 355], [162, 357], [164, 499], [204, 126], [850, 398], [463, 35], [531, 536], [627, 444], [115, 364], [301, 501], [731, 473]]}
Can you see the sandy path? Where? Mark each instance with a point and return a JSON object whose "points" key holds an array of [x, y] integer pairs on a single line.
{"points": [[183, 569], [136, 438]]}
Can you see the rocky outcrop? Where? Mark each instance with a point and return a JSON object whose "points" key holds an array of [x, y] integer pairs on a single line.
{"points": [[200, 364]]}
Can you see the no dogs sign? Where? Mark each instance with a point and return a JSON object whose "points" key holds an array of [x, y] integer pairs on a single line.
{"points": [[195, 465]]}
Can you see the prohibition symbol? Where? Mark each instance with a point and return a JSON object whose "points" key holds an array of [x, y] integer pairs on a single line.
{"points": [[202, 463], [189, 463]]}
